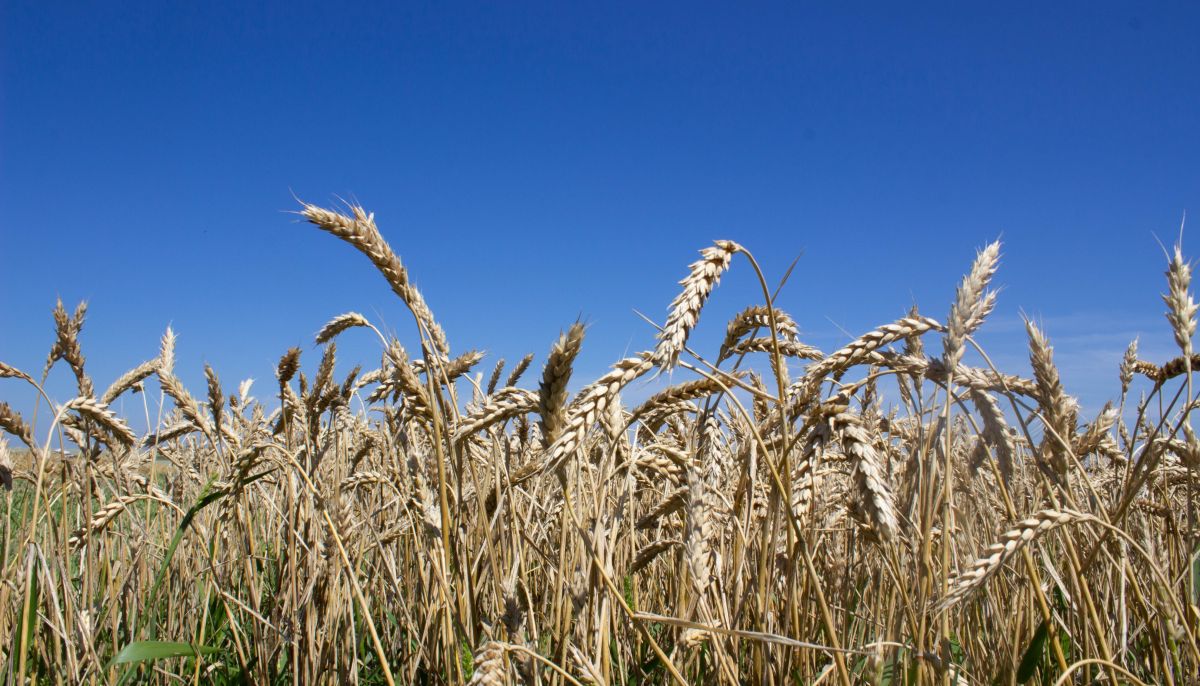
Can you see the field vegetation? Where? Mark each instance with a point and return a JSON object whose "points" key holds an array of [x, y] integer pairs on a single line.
{"points": [[884, 513]]}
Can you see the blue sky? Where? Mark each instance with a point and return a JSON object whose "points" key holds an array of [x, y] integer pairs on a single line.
{"points": [[537, 163]]}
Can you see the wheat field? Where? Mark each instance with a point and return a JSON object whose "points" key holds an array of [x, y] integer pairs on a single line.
{"points": [[776, 514]]}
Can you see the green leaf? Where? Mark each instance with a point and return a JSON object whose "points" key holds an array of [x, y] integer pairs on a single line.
{"points": [[141, 651], [207, 497], [957, 654], [1033, 653]]}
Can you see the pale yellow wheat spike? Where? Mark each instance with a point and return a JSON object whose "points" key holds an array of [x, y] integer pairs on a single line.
{"points": [[703, 277], [1011, 542]]}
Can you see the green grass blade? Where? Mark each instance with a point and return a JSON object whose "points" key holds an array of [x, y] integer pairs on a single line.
{"points": [[1032, 657], [143, 651]]}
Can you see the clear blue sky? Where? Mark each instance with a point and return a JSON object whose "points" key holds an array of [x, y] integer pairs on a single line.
{"points": [[540, 163]]}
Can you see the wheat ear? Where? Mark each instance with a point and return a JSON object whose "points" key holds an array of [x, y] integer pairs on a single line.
{"points": [[686, 391], [1011, 542], [1181, 309], [519, 370], [1058, 409], [556, 374], [8, 371], [859, 350], [870, 479], [338, 324], [130, 379], [99, 413], [66, 346], [754, 318], [6, 466], [592, 403], [10, 421], [490, 669], [972, 303], [360, 231], [702, 278], [101, 519], [502, 405]]}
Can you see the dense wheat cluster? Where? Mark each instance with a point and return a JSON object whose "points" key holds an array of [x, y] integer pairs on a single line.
{"points": [[883, 513]]}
